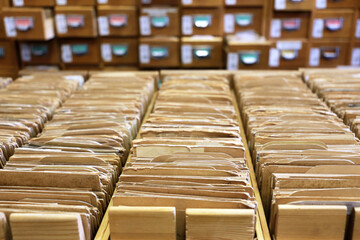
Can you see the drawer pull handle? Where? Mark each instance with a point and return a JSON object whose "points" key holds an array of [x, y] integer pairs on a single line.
{"points": [[75, 21], [330, 53], [39, 50], [250, 57], [202, 21], [120, 50], [160, 22], [334, 24], [289, 55], [118, 21], [80, 49], [24, 24], [292, 24], [159, 52], [244, 19], [202, 52]]}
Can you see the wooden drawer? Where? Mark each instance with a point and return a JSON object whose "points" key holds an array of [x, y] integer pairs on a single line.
{"points": [[202, 22], [357, 25], [243, 19], [159, 52], [243, 3], [354, 55], [4, 3], [116, 51], [8, 55], [76, 2], [335, 4], [79, 52], [328, 54], [201, 3], [2, 27], [201, 52], [159, 21], [286, 25], [75, 22], [247, 55], [294, 5], [33, 3], [160, 2], [332, 24], [39, 53], [117, 21], [288, 54], [118, 2], [28, 23]]}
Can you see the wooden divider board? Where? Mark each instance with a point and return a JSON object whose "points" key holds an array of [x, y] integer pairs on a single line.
{"points": [[356, 231], [262, 230], [103, 232]]}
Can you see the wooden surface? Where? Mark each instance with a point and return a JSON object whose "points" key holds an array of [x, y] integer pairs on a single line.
{"points": [[214, 224], [143, 223], [356, 231], [262, 230], [103, 232], [37, 226], [298, 222]]}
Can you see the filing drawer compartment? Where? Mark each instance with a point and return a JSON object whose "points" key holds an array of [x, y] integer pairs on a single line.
{"points": [[159, 21], [4, 3], [39, 53], [118, 2], [75, 22], [115, 51], [79, 52], [243, 3], [332, 24], [148, 3], [357, 26], [335, 4], [247, 55], [202, 22], [328, 54], [2, 27], [117, 21], [201, 52], [288, 54], [159, 52], [355, 55], [33, 3], [28, 23], [76, 2], [243, 19], [294, 5], [201, 3], [289, 25], [8, 56]]}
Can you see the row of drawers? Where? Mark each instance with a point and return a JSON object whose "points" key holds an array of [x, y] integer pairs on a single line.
{"points": [[304, 5], [188, 52], [184, 3], [310, 5], [37, 24]]}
